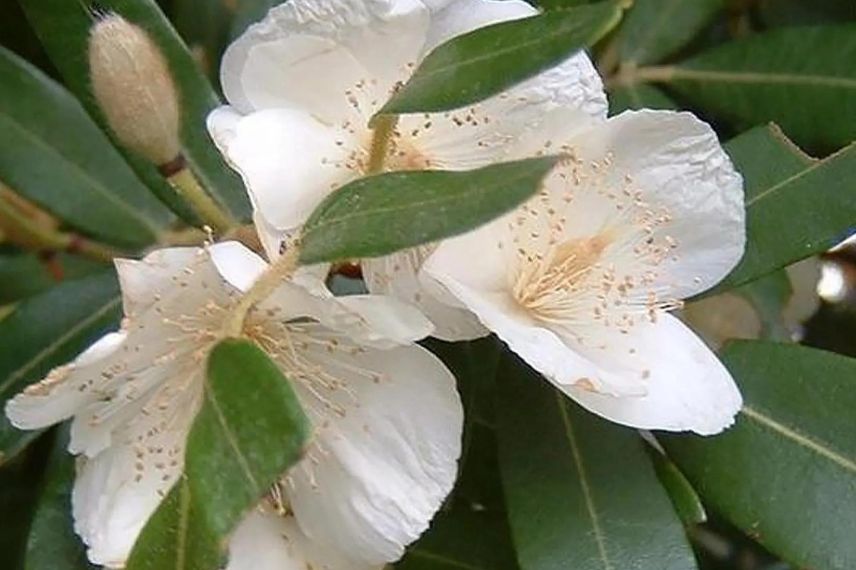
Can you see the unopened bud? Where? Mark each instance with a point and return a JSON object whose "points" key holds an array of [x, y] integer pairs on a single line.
{"points": [[132, 84]]}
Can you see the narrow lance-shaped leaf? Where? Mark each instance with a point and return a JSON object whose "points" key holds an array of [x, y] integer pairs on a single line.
{"points": [[581, 492], [52, 542], [250, 430], [803, 78], [484, 62], [63, 27], [388, 212], [796, 206], [786, 472], [49, 330], [26, 274], [52, 153]]}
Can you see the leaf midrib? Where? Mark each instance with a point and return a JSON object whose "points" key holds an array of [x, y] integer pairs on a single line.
{"points": [[65, 337], [95, 184], [799, 438], [231, 439], [762, 77], [597, 530]]}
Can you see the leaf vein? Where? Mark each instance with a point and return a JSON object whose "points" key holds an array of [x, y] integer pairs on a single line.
{"points": [[231, 438]]}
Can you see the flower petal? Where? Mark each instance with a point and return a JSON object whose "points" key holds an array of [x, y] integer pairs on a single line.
{"points": [[398, 275], [461, 16], [267, 541], [688, 388], [289, 161], [363, 48], [385, 453], [117, 490], [677, 165], [144, 281]]}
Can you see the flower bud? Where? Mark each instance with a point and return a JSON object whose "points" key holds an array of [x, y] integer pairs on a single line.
{"points": [[133, 86]]}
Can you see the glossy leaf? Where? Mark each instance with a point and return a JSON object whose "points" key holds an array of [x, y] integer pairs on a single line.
{"points": [[684, 498], [250, 430], [638, 96], [581, 492], [388, 212], [785, 473], [49, 330], [484, 62], [654, 29], [24, 275], [52, 153], [52, 542], [802, 78], [796, 206], [63, 27]]}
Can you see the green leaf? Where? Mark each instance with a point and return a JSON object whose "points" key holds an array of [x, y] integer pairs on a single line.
{"points": [[802, 78], [795, 206], [52, 543], [46, 331], [250, 430], [476, 65], [655, 29], [684, 498], [786, 472], [63, 27], [249, 12], [638, 96], [175, 537], [380, 214], [52, 153], [204, 27], [24, 275], [581, 492]]}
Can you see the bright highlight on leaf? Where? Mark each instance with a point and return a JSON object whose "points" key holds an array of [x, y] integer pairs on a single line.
{"points": [[382, 214], [489, 60]]}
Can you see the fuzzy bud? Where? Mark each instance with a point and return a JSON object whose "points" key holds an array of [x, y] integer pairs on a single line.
{"points": [[133, 86]]}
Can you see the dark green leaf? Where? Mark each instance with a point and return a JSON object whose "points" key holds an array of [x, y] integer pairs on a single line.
{"points": [[52, 543], [684, 498], [638, 96], [176, 537], [52, 153], [204, 26], [795, 206], [380, 214], [655, 29], [63, 27], [25, 275], [250, 430], [46, 331], [248, 12], [474, 66], [786, 472], [581, 492], [802, 78]]}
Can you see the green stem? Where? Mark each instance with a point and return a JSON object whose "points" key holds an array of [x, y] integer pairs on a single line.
{"points": [[384, 128], [187, 185], [631, 75]]}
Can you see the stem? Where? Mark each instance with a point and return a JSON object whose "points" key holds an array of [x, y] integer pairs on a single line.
{"points": [[278, 271], [184, 182], [381, 137], [630, 75]]}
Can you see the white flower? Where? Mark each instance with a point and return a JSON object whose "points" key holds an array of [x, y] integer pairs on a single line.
{"points": [[579, 281], [386, 415], [304, 82]]}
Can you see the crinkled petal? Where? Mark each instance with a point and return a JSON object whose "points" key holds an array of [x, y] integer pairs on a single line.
{"points": [[385, 452], [688, 388], [397, 275], [144, 281], [288, 159], [362, 46], [267, 541], [117, 490]]}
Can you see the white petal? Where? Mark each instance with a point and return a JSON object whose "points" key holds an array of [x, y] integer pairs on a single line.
{"points": [[59, 395], [237, 264], [385, 459], [461, 16], [143, 281], [361, 46], [675, 161], [117, 491], [290, 162], [397, 275], [267, 541], [688, 388]]}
